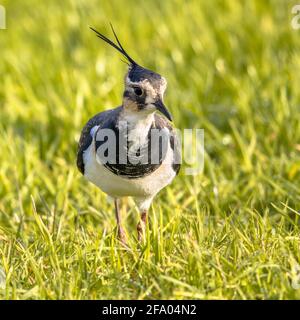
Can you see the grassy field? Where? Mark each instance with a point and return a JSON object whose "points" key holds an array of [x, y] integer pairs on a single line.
{"points": [[232, 232]]}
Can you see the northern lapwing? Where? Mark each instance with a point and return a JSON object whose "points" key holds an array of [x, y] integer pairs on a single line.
{"points": [[133, 125]]}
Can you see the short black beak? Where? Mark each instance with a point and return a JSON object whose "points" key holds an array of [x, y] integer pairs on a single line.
{"points": [[162, 108]]}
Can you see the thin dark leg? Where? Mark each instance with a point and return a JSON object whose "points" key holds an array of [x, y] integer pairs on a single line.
{"points": [[141, 227], [121, 233]]}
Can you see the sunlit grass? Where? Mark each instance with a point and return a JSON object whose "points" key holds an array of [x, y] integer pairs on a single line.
{"points": [[233, 68]]}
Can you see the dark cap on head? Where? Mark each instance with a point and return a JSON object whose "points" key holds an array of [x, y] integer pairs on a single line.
{"points": [[137, 73]]}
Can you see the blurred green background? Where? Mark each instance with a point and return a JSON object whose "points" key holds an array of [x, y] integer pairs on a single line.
{"points": [[233, 69]]}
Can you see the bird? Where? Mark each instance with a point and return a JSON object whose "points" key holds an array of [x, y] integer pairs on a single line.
{"points": [[133, 123]]}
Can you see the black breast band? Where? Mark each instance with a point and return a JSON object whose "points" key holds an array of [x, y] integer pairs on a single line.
{"points": [[130, 170]]}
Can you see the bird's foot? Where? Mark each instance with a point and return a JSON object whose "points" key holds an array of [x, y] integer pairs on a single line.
{"points": [[141, 231], [141, 227], [122, 236]]}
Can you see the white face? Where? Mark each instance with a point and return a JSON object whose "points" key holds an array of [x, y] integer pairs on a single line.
{"points": [[144, 93]]}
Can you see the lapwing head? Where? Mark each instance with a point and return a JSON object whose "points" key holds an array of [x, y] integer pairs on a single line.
{"points": [[144, 88]]}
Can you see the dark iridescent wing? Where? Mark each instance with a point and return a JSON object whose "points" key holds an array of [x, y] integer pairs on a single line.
{"points": [[86, 138]]}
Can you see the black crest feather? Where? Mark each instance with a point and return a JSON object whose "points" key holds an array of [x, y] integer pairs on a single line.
{"points": [[117, 45]]}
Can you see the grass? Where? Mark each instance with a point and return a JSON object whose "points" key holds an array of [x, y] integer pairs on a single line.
{"points": [[232, 232]]}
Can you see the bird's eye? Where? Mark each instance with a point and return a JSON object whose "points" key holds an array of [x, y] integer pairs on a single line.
{"points": [[138, 91]]}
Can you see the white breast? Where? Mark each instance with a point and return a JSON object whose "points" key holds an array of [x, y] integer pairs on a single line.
{"points": [[116, 186]]}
